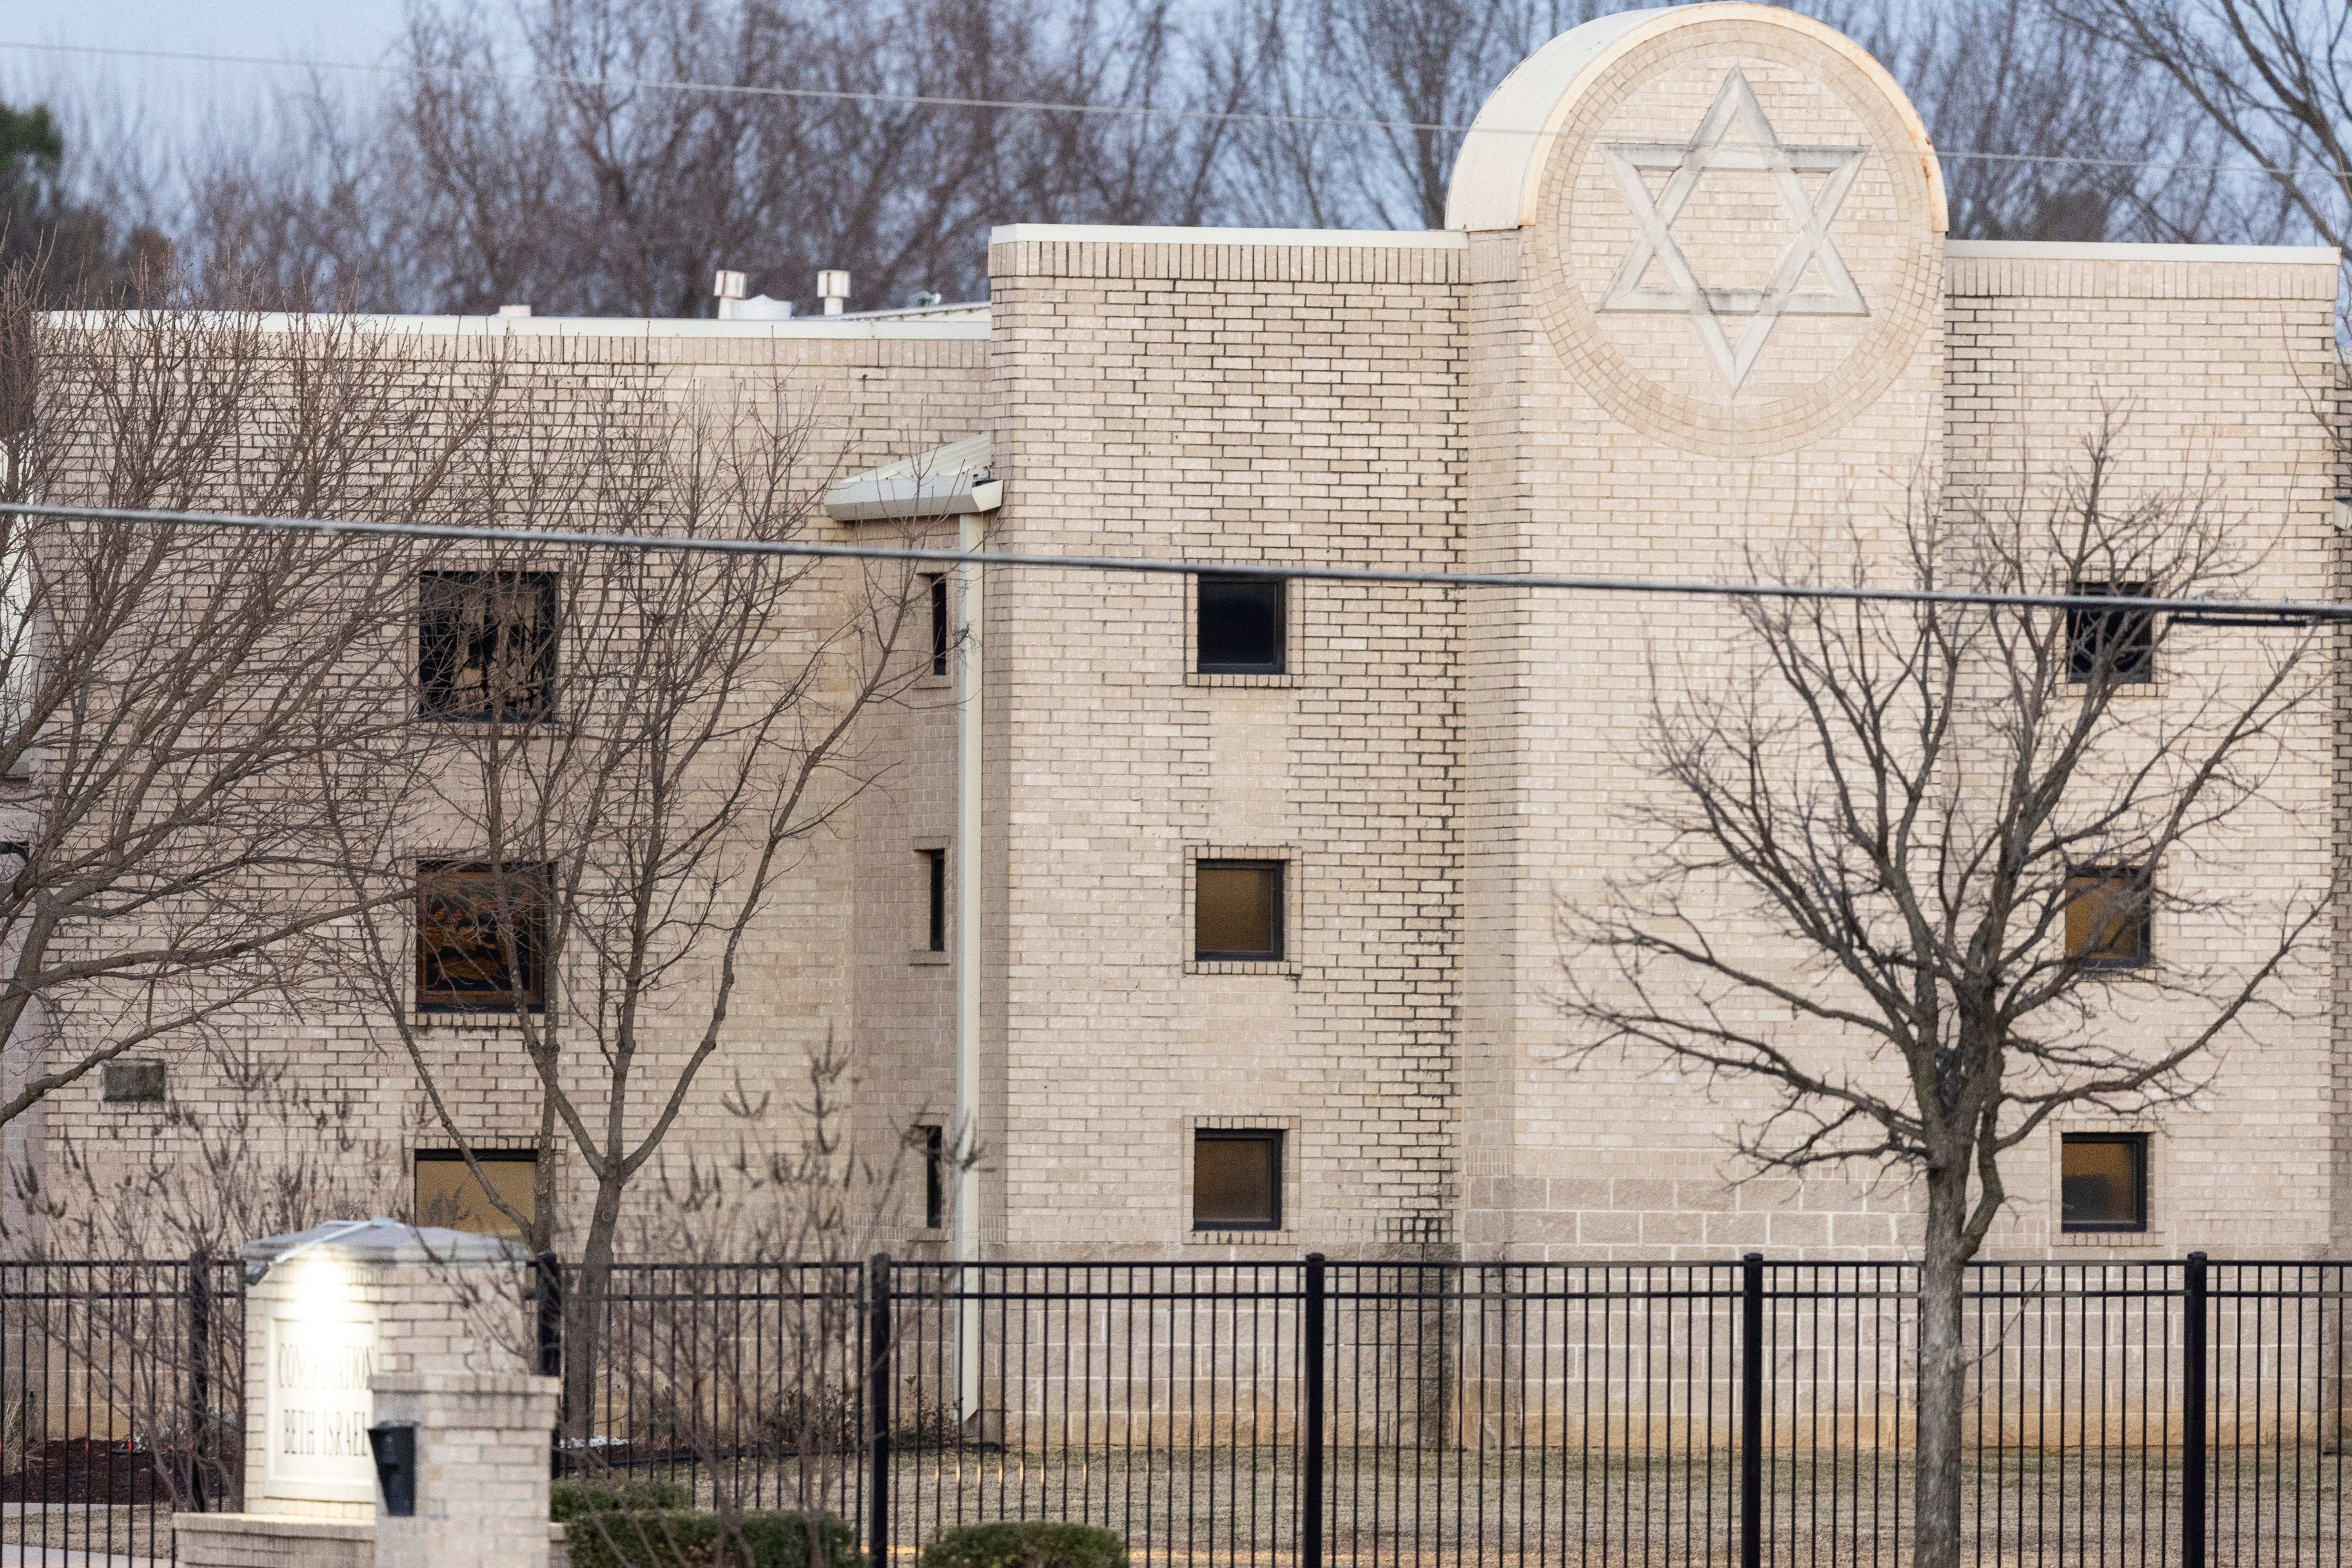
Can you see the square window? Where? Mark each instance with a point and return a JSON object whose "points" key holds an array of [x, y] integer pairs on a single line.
{"points": [[1238, 910], [133, 1082], [2127, 637], [935, 1175], [2102, 1180], [486, 645], [448, 1196], [481, 938], [935, 871], [2106, 919], [1236, 1180], [1240, 629], [938, 622]]}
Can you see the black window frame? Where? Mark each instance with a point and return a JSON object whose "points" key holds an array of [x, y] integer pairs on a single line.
{"points": [[935, 862], [2089, 634], [935, 1183], [1278, 661], [938, 598], [2138, 1143], [434, 880], [2143, 920], [436, 656], [1280, 921], [1273, 1136]]}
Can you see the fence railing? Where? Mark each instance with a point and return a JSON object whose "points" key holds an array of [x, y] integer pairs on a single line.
{"points": [[1356, 1412]]}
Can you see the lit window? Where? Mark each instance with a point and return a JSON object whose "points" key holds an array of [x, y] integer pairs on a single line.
{"points": [[448, 1196], [1236, 1180], [2127, 637], [1240, 630], [486, 645], [481, 936], [1238, 910], [2106, 919], [2102, 1182]]}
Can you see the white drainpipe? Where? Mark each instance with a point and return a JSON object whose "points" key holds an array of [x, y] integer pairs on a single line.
{"points": [[969, 671]]}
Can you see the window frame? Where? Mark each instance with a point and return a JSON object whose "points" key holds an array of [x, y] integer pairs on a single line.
{"points": [[1280, 662], [1271, 1136], [2145, 920], [547, 676], [535, 955], [2134, 664], [935, 864], [935, 1184], [2138, 1142], [1280, 921], [940, 638]]}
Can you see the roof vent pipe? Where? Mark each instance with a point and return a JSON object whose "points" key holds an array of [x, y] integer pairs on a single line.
{"points": [[833, 287]]}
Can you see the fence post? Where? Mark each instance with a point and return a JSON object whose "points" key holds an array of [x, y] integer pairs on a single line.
{"points": [[551, 1314], [1751, 1410], [877, 1409], [200, 1372], [1310, 1481], [2192, 1415]]}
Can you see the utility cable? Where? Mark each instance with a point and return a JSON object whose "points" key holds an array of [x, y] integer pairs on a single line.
{"points": [[1035, 106], [2287, 612]]}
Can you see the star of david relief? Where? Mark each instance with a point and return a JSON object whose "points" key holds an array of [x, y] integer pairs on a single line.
{"points": [[1705, 152]]}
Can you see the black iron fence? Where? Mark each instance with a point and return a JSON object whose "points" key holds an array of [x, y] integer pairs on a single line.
{"points": [[121, 1401], [1309, 1412]]}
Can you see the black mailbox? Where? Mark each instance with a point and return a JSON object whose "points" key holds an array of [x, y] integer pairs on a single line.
{"points": [[395, 1468]]}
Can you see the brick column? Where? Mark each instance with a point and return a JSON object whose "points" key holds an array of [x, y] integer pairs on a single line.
{"points": [[481, 1468]]}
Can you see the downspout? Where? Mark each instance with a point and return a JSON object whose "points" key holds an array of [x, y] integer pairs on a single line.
{"points": [[969, 671]]}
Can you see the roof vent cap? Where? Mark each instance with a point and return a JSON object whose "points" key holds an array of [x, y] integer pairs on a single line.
{"points": [[833, 287]]}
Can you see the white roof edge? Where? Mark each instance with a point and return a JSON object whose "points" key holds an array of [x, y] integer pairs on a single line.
{"points": [[967, 327], [2068, 250], [1114, 234]]}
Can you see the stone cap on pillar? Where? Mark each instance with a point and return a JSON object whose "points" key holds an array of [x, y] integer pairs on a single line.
{"points": [[381, 1240]]}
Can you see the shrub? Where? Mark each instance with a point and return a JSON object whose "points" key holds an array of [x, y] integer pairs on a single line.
{"points": [[629, 1494], [1030, 1544], [677, 1539]]}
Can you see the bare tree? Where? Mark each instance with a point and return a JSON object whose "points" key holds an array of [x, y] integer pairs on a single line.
{"points": [[167, 692], [1953, 835], [2272, 77], [642, 749]]}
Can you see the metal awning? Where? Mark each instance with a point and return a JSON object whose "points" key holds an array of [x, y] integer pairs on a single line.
{"points": [[942, 482]]}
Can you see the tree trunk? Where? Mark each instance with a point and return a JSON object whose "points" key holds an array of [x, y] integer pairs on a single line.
{"points": [[584, 1327], [1943, 1368]]}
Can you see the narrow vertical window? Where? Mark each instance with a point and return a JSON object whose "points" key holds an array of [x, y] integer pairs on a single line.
{"points": [[935, 870], [2124, 639], [1236, 1180], [2102, 1182], [1240, 626], [938, 622], [935, 1176]]}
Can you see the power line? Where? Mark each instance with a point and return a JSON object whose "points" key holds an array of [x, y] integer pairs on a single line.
{"points": [[1033, 106], [2290, 612]]}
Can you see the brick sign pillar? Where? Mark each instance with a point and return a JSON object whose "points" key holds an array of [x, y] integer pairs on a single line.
{"points": [[369, 1323]]}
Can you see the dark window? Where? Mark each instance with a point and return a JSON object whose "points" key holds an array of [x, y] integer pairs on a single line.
{"points": [[486, 645], [481, 936], [2106, 919], [939, 625], [134, 1081], [1238, 910], [448, 1196], [2102, 1180], [935, 866], [1241, 628], [2127, 637], [1236, 1180], [935, 1176]]}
